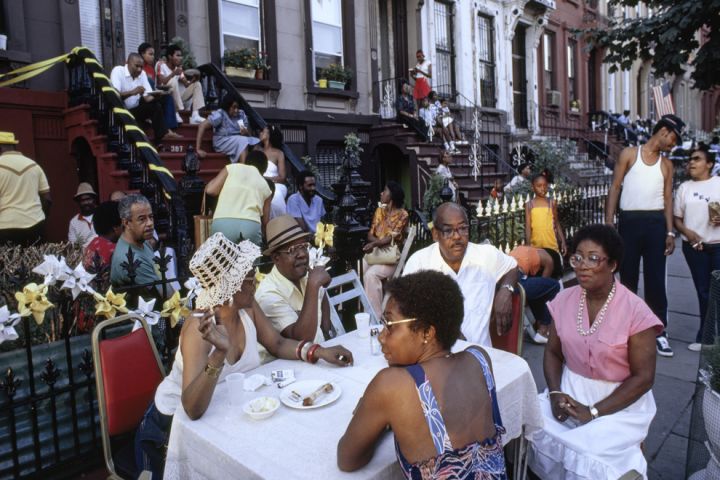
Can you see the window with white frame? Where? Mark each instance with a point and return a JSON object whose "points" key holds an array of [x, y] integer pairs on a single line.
{"points": [[240, 24], [486, 55], [572, 69], [549, 60], [327, 34]]}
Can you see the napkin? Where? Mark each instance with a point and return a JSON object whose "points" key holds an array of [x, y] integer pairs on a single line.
{"points": [[254, 382]]}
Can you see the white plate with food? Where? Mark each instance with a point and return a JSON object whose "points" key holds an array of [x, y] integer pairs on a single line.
{"points": [[309, 394]]}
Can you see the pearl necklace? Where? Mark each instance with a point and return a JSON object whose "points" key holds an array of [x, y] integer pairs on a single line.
{"points": [[600, 316]]}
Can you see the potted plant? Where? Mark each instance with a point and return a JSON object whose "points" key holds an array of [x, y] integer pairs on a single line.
{"points": [[261, 65], [711, 407], [240, 63], [575, 106], [337, 76]]}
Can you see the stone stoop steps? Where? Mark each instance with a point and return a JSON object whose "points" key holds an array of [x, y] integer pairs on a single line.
{"points": [[79, 124], [425, 157]]}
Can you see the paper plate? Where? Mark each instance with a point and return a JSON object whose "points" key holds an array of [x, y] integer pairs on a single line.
{"points": [[305, 388]]}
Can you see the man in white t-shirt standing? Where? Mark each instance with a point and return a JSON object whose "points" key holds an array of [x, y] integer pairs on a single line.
{"points": [[81, 230], [646, 216], [486, 276]]}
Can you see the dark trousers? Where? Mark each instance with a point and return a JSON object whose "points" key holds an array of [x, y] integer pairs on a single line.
{"points": [[701, 264], [154, 112], [539, 291], [417, 124], [23, 236], [151, 440], [643, 234]]}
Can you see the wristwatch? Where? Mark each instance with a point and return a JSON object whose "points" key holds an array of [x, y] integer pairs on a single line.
{"points": [[508, 286], [671, 234], [594, 412]]}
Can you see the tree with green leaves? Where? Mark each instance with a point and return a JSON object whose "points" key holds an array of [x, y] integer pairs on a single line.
{"points": [[679, 36]]}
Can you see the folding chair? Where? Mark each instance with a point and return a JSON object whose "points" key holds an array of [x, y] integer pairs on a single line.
{"points": [[355, 292], [127, 373], [512, 341], [412, 231]]}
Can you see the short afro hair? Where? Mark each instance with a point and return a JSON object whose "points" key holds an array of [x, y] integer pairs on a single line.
{"points": [[605, 236], [106, 216], [257, 159], [434, 299]]}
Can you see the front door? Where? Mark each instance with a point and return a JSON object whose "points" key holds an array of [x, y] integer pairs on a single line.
{"points": [[520, 97], [112, 29]]}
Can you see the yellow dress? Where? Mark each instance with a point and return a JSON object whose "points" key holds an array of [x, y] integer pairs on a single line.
{"points": [[543, 231]]}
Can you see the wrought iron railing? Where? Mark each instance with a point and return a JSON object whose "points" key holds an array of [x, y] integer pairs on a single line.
{"points": [[89, 84], [217, 85]]}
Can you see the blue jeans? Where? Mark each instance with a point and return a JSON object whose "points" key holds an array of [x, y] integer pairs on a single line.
{"points": [[539, 291], [643, 234], [151, 440], [701, 263]]}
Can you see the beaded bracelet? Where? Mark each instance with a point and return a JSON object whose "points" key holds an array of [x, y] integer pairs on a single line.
{"points": [[311, 353], [299, 347]]}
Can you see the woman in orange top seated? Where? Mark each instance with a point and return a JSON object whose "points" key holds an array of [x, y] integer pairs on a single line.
{"points": [[388, 226]]}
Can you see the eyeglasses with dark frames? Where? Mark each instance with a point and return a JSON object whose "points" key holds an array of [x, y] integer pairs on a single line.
{"points": [[448, 232], [296, 249]]}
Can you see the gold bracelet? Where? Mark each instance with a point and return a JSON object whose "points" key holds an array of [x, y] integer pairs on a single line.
{"points": [[212, 372]]}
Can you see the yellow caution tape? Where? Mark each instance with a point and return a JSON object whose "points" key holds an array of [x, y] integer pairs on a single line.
{"points": [[111, 90], [101, 75], [36, 66], [157, 168], [145, 145], [92, 60], [129, 128]]}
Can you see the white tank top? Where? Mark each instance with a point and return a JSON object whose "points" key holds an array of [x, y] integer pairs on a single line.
{"points": [[643, 186], [167, 396]]}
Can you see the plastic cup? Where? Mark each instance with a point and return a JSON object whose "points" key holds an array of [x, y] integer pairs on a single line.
{"points": [[362, 320], [235, 383]]}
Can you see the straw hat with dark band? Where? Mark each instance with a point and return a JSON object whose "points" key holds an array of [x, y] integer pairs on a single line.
{"points": [[281, 231]]}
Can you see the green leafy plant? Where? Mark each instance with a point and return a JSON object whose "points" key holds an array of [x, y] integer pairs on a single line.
{"points": [[241, 58], [337, 73], [431, 198], [310, 165], [261, 61], [188, 56]]}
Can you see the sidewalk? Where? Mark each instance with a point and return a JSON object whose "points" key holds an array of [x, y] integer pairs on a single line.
{"points": [[667, 441]]}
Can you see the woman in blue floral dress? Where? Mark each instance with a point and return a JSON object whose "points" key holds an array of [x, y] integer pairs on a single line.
{"points": [[441, 406], [230, 131]]}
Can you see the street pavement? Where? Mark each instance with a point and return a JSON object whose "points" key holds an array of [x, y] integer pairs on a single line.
{"points": [[667, 442]]}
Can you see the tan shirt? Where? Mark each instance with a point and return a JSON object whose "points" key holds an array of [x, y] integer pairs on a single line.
{"points": [[282, 301], [21, 183]]}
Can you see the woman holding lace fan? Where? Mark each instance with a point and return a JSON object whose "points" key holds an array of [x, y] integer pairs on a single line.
{"points": [[599, 367]]}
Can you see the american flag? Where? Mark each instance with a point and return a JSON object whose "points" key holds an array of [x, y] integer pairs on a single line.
{"points": [[663, 99]]}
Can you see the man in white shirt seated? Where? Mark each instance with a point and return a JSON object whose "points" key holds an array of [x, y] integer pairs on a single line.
{"points": [[486, 276], [132, 84], [81, 229]]}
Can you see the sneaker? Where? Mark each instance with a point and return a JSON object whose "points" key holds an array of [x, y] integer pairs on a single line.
{"points": [[196, 119], [663, 347], [539, 338], [695, 347], [178, 118]]}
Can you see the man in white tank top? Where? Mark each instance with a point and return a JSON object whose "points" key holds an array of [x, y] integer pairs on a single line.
{"points": [[645, 219]]}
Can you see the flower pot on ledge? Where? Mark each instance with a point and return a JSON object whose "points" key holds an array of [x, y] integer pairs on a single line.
{"points": [[337, 85], [240, 72], [259, 74], [322, 83]]}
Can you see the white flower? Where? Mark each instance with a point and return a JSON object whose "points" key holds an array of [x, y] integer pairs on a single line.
{"points": [[53, 269], [7, 324], [78, 280], [145, 310], [316, 258], [194, 288]]}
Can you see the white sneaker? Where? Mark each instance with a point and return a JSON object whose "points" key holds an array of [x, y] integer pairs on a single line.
{"points": [[539, 338], [196, 118], [663, 347], [695, 347], [178, 118]]}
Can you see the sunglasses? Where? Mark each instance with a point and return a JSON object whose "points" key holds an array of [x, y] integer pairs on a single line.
{"points": [[389, 323]]}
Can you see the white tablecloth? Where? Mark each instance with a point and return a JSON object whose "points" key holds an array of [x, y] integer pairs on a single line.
{"points": [[225, 443]]}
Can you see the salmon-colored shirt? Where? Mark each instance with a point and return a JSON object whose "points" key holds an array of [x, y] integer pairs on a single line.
{"points": [[604, 354]]}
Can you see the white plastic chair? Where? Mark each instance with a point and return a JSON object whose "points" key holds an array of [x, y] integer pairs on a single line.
{"points": [[352, 289]]}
